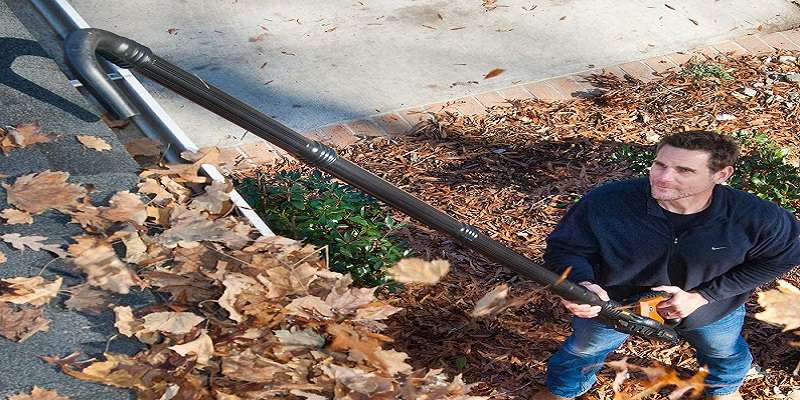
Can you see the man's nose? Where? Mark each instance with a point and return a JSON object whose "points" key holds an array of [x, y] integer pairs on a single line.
{"points": [[664, 175]]}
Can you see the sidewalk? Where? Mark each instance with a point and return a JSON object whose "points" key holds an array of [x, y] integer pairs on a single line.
{"points": [[564, 87], [313, 63]]}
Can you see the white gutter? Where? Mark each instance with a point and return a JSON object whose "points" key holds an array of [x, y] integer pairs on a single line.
{"points": [[153, 121]]}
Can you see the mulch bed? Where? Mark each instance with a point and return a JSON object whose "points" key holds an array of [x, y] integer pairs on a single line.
{"points": [[513, 172]]}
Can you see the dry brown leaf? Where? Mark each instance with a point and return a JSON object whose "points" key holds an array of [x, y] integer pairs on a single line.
{"points": [[417, 270], [151, 186], [39, 394], [122, 371], [189, 227], [36, 193], [125, 323], [89, 218], [125, 207], [19, 242], [202, 347], [235, 284], [491, 302], [34, 290], [22, 324], [297, 339], [344, 299], [250, 367], [3, 258], [13, 216], [84, 298], [22, 136], [215, 200], [102, 267], [282, 282], [374, 313], [144, 147], [93, 142], [369, 349], [311, 307], [358, 380], [493, 73], [171, 322], [188, 172], [781, 306], [489, 4]]}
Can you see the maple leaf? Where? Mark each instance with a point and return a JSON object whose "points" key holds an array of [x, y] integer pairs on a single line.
{"points": [[22, 324], [202, 347], [235, 284], [22, 136], [122, 371], [188, 172], [143, 147], [102, 267], [780, 306], [297, 339], [248, 366], [189, 227], [658, 377], [93, 142], [215, 199], [33, 290], [89, 218], [358, 380], [19, 242], [135, 248], [84, 298], [151, 186], [345, 300], [36, 193], [39, 394], [346, 338], [14, 217], [491, 302], [123, 207], [374, 313], [171, 322], [282, 282], [417, 270], [311, 307]]}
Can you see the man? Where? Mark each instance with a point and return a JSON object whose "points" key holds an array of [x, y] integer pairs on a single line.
{"points": [[682, 232]]}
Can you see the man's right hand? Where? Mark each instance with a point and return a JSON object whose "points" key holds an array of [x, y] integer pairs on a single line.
{"points": [[586, 310]]}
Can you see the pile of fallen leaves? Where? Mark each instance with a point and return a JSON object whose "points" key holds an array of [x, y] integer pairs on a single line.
{"points": [[244, 317], [513, 172]]}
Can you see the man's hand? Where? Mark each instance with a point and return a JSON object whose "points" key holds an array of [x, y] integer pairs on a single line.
{"points": [[586, 310], [681, 304]]}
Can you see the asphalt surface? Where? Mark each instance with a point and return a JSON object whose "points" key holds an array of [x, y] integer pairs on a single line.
{"points": [[33, 88]]}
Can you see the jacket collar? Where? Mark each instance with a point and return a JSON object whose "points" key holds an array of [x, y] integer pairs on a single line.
{"points": [[716, 210]]}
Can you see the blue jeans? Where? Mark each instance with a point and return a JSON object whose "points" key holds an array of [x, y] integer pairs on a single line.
{"points": [[572, 370]]}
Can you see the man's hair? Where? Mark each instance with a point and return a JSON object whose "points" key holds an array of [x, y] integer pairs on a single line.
{"points": [[722, 149]]}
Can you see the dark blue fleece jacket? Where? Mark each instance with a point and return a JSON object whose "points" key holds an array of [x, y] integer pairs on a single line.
{"points": [[619, 237]]}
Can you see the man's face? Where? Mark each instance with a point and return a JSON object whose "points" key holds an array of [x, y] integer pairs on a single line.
{"points": [[679, 173]]}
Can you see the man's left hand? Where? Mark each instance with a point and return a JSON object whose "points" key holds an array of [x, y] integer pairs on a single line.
{"points": [[681, 304]]}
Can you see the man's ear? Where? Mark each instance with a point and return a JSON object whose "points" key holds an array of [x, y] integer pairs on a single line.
{"points": [[723, 174]]}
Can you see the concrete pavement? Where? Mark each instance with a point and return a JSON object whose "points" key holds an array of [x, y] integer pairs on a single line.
{"points": [[312, 63]]}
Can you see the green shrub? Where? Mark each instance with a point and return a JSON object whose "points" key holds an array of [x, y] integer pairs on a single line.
{"points": [[706, 71], [763, 168], [314, 208]]}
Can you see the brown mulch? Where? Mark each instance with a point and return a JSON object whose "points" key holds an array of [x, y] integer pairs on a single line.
{"points": [[512, 173]]}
